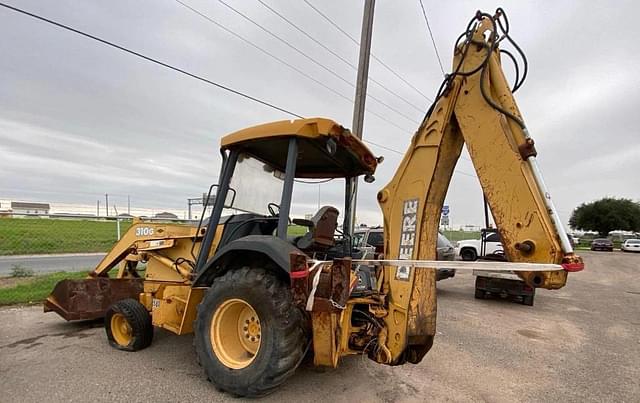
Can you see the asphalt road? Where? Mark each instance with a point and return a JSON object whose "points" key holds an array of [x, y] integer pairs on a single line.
{"points": [[578, 344], [51, 263]]}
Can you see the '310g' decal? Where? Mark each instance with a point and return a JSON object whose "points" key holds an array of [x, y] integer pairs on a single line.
{"points": [[144, 231]]}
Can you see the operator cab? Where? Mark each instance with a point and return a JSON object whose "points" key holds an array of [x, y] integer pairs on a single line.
{"points": [[260, 165]]}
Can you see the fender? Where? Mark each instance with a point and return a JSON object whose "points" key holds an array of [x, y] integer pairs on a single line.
{"points": [[244, 251]]}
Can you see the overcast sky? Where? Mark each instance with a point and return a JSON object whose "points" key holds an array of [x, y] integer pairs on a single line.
{"points": [[79, 119]]}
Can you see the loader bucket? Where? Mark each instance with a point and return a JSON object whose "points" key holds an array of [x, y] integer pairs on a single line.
{"points": [[90, 298]]}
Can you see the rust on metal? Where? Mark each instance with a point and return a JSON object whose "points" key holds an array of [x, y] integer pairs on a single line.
{"points": [[325, 349], [333, 287], [340, 276], [528, 149], [90, 298], [299, 274]]}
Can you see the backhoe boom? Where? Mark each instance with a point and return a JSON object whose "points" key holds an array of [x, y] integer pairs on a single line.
{"points": [[476, 108]]}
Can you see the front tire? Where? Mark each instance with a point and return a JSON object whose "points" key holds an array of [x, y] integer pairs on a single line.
{"points": [[249, 335], [468, 255], [128, 325]]}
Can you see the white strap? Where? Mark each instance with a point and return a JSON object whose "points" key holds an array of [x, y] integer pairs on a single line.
{"points": [[317, 265]]}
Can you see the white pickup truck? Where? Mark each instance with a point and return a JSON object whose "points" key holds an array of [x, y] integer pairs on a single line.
{"points": [[471, 249]]}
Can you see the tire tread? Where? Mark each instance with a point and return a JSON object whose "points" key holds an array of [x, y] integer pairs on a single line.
{"points": [[139, 319], [289, 349]]}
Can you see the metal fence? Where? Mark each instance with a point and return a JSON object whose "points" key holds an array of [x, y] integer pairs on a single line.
{"points": [[37, 250], [38, 234]]}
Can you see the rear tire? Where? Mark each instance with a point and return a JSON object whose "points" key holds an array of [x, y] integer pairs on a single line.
{"points": [[479, 294], [249, 359], [527, 300], [469, 255], [128, 325]]}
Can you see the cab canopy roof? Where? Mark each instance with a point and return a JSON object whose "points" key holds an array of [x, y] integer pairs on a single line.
{"points": [[325, 148]]}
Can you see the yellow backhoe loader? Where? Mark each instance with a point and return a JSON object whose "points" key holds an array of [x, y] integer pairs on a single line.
{"points": [[258, 301]]}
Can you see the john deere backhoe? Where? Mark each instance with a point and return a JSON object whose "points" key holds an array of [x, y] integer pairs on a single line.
{"points": [[258, 301]]}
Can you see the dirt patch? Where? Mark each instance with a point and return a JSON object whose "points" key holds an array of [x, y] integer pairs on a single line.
{"points": [[8, 282]]}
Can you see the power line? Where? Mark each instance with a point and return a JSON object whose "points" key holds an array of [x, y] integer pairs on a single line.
{"points": [[179, 70], [314, 61], [302, 31], [464, 173], [383, 64], [233, 33], [126, 50], [147, 58], [401, 153], [348, 63], [424, 13], [383, 147]]}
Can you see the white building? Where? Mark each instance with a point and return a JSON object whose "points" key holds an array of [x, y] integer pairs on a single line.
{"points": [[18, 208]]}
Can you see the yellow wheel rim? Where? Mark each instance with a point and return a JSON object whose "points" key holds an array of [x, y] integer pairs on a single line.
{"points": [[121, 329], [235, 333]]}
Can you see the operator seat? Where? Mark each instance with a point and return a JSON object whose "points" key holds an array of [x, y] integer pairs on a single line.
{"points": [[321, 228]]}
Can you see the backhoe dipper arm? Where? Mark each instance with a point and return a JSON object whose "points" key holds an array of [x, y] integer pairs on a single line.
{"points": [[503, 156]]}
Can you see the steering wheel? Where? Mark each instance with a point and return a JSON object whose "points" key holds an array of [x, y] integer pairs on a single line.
{"points": [[272, 209]]}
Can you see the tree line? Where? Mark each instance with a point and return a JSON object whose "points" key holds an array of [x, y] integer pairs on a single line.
{"points": [[606, 215]]}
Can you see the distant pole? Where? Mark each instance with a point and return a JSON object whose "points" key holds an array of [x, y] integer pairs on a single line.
{"points": [[128, 204], [486, 211], [117, 221], [106, 202], [351, 188], [98, 208]]}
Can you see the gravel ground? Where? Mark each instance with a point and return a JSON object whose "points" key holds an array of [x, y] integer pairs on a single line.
{"points": [[581, 343]]}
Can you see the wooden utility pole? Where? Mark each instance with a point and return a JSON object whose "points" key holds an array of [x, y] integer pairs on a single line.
{"points": [[351, 189]]}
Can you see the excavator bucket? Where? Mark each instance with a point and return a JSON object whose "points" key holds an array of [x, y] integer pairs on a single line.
{"points": [[90, 298]]}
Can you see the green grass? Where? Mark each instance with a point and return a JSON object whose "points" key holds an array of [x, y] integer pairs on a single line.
{"points": [[26, 236], [33, 289], [20, 236], [296, 230], [456, 235]]}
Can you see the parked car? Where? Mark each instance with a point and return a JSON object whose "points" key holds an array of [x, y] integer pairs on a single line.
{"points": [[602, 244], [573, 239], [445, 251], [363, 237], [471, 249], [631, 245], [374, 238]]}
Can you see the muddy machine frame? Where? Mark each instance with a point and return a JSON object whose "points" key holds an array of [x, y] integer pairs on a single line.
{"points": [[258, 302]]}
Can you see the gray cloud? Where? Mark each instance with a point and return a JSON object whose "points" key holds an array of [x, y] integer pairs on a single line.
{"points": [[78, 119]]}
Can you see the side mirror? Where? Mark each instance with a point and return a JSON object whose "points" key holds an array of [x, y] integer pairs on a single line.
{"points": [[232, 194]]}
